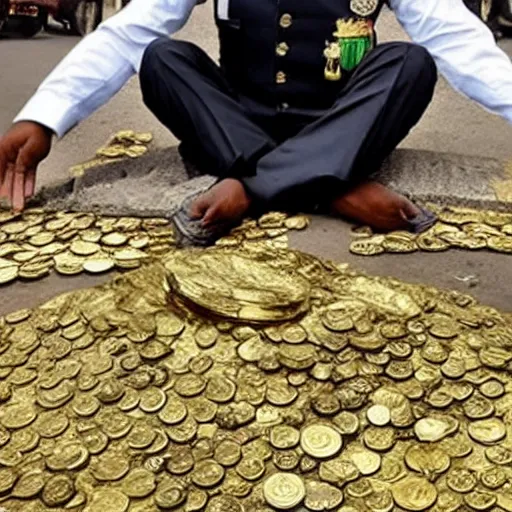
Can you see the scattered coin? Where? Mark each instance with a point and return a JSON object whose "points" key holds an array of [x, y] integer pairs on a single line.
{"points": [[320, 441], [284, 491]]}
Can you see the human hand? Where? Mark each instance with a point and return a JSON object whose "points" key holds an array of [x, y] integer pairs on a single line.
{"points": [[23, 147]]}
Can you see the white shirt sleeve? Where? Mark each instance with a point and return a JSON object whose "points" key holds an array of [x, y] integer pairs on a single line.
{"points": [[102, 63], [464, 49]]}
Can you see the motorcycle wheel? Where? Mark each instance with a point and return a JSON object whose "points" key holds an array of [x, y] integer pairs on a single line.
{"points": [[86, 16]]}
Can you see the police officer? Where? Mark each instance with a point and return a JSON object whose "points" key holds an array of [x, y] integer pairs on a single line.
{"points": [[303, 107]]}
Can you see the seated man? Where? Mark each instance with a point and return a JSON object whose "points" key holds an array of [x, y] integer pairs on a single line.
{"points": [[304, 106]]}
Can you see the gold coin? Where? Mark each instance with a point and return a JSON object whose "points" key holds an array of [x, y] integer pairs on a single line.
{"points": [[494, 478], [200, 364], [448, 501], [360, 488], [206, 336], [202, 409], [322, 496], [98, 264], [492, 389], [184, 432], [8, 274], [136, 151], [220, 389], [457, 446], [24, 440], [173, 412], [228, 453], [152, 399], [82, 248], [431, 243], [141, 436], [29, 485], [326, 404], [294, 334], [181, 460], [297, 222], [434, 428], [378, 415], [284, 437], [487, 431], [85, 405], [250, 468], [427, 459], [478, 407], [114, 239], [400, 370], [15, 416], [499, 455], [207, 474], [286, 460], [367, 246], [8, 478], [320, 441], [479, 500], [108, 499], [109, 467], [114, 151], [138, 483], [414, 493], [367, 462], [224, 504], [58, 490], [338, 471], [144, 137], [379, 439], [380, 501], [439, 398], [346, 422], [68, 455], [95, 441], [461, 480], [397, 244], [284, 491], [190, 385]]}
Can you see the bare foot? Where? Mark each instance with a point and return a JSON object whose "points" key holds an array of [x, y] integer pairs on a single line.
{"points": [[375, 205], [226, 201]]}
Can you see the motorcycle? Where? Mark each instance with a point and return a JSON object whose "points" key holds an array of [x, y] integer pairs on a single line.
{"points": [[496, 14], [28, 17]]}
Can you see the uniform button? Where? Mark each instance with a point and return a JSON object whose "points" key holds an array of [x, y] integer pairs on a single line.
{"points": [[286, 20], [281, 77], [282, 49]]}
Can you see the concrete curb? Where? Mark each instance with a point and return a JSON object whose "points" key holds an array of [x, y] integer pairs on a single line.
{"points": [[156, 184]]}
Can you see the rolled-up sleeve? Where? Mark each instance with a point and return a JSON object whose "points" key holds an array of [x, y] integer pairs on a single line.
{"points": [[464, 49], [102, 63]]}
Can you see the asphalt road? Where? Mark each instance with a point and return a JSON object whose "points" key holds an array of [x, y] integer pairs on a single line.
{"points": [[452, 123]]}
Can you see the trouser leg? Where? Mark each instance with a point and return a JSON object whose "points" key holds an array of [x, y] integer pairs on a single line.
{"points": [[187, 92], [382, 101]]}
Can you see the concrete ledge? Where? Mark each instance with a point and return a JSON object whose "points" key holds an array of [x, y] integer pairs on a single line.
{"points": [[155, 184]]}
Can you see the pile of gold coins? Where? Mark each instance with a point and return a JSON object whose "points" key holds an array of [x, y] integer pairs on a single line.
{"points": [[34, 243], [275, 382], [124, 144], [458, 228]]}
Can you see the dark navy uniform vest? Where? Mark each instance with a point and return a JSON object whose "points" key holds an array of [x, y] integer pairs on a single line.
{"points": [[274, 50]]}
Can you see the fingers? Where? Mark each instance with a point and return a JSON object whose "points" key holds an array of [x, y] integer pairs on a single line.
{"points": [[3, 168], [30, 183], [199, 207], [18, 188], [211, 215], [6, 187]]}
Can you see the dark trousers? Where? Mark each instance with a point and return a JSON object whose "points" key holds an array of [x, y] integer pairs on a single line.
{"points": [[294, 157]]}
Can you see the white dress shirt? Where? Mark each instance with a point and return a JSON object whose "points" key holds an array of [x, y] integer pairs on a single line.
{"points": [[462, 46]]}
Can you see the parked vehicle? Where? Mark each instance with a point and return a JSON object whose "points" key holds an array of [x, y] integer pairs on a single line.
{"points": [[497, 14], [4, 12], [28, 17]]}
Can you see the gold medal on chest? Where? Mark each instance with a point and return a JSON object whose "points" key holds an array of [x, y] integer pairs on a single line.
{"points": [[364, 7]]}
